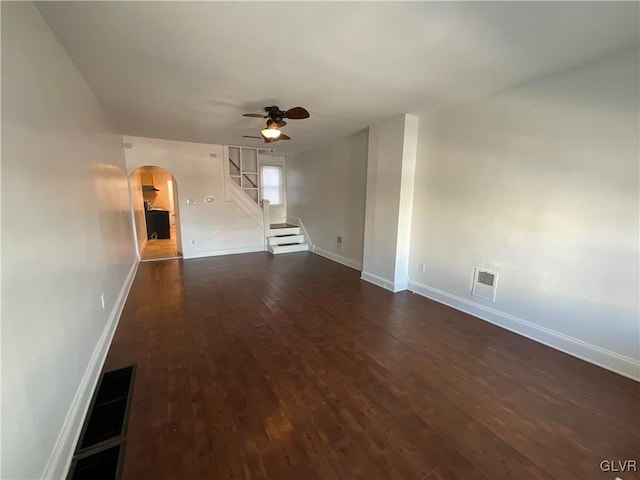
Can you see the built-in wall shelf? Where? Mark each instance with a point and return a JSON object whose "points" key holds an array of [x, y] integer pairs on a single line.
{"points": [[243, 169]]}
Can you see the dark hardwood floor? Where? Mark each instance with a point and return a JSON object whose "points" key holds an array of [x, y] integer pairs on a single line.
{"points": [[290, 367]]}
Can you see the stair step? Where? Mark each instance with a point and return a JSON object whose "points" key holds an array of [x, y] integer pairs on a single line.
{"points": [[285, 239], [296, 247], [290, 230], [275, 226]]}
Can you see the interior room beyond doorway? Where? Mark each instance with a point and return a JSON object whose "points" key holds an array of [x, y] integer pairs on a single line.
{"points": [[156, 210]]}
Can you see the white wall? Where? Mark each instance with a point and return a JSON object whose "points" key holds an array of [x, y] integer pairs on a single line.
{"points": [[206, 228], [66, 237], [539, 183], [326, 189], [137, 210]]}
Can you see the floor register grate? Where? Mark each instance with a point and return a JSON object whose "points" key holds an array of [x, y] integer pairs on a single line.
{"points": [[100, 449], [104, 464]]}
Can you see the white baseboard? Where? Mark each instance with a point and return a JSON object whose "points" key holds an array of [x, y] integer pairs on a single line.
{"points": [[337, 258], [376, 280], [384, 283], [60, 459], [401, 287], [588, 352], [224, 251]]}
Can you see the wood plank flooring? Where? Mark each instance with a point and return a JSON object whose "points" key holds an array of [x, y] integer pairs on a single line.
{"points": [[290, 367]]}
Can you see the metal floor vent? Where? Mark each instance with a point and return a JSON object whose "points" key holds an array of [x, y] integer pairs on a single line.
{"points": [[105, 464], [101, 444], [108, 414], [484, 284]]}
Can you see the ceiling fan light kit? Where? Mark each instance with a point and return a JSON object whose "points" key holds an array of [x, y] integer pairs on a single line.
{"points": [[270, 132], [275, 121]]}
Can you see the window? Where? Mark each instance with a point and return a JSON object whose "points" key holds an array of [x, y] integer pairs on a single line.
{"points": [[272, 184]]}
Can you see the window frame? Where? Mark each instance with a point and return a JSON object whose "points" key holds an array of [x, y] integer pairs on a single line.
{"points": [[282, 185]]}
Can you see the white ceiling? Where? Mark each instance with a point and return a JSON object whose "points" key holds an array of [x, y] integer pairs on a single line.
{"points": [[188, 70]]}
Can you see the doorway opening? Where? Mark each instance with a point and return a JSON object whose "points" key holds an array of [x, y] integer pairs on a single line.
{"points": [[156, 217]]}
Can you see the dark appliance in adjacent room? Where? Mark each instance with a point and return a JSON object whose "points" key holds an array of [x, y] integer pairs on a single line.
{"points": [[157, 224]]}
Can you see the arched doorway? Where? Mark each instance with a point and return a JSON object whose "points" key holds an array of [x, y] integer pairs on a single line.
{"points": [[156, 216]]}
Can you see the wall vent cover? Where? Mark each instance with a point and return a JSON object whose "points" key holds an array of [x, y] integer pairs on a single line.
{"points": [[484, 285]]}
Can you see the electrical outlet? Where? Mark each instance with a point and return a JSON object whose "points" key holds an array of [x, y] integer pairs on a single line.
{"points": [[102, 301], [421, 267]]}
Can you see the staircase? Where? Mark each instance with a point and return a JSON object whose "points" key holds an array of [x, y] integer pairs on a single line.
{"points": [[285, 238], [242, 188]]}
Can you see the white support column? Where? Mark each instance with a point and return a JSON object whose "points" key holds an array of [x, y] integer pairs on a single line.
{"points": [[390, 180]]}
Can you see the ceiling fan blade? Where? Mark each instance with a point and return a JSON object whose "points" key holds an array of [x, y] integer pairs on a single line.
{"points": [[254, 115], [251, 136], [296, 113], [283, 137]]}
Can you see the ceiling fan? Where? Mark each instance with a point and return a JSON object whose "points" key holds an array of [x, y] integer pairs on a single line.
{"points": [[275, 121]]}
